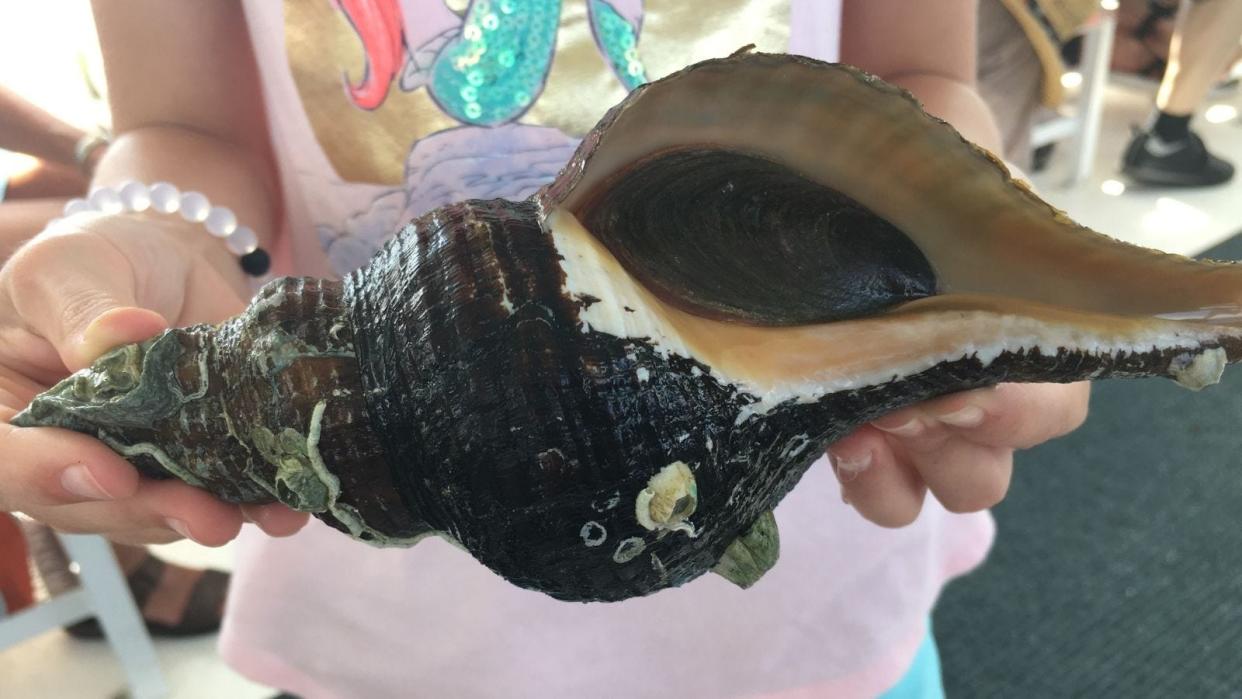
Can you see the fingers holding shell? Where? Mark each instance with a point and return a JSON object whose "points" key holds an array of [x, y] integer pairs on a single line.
{"points": [[882, 487]]}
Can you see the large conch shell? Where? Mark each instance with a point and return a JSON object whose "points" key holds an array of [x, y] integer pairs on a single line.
{"points": [[604, 390]]}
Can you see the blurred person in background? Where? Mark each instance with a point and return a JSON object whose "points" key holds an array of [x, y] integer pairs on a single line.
{"points": [[64, 158], [1167, 153], [1020, 64], [1144, 33]]}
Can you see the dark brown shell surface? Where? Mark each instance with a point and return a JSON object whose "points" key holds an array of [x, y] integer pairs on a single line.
{"points": [[772, 251]]}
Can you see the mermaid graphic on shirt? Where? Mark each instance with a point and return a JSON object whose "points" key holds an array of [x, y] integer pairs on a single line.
{"points": [[443, 100]]}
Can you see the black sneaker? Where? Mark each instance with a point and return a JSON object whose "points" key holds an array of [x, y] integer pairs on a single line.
{"points": [[1152, 161]]}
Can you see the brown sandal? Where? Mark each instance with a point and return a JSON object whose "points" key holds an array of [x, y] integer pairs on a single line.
{"points": [[202, 613]]}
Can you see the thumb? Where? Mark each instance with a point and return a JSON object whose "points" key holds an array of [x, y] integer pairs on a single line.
{"points": [[81, 299], [114, 327]]}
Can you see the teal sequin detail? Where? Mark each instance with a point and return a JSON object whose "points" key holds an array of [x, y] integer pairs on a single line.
{"points": [[492, 72], [620, 43]]}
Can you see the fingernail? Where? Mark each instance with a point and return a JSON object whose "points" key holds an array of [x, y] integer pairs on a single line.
{"points": [[179, 527], [115, 327], [97, 338], [969, 416], [910, 428], [848, 468], [78, 480]]}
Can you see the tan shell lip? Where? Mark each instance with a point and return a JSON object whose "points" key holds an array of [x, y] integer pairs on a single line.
{"points": [[806, 361]]}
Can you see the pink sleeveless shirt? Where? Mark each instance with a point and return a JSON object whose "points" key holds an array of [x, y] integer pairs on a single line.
{"points": [[368, 134]]}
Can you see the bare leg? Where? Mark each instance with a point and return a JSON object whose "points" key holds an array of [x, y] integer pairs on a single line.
{"points": [[1204, 43], [1144, 32]]}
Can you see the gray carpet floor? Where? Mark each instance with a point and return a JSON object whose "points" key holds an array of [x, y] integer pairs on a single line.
{"points": [[1117, 569]]}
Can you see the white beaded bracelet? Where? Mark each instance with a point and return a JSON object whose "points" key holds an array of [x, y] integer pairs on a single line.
{"points": [[163, 197]]}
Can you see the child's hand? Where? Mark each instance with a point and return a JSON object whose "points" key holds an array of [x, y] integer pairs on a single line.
{"points": [[68, 296], [960, 447]]}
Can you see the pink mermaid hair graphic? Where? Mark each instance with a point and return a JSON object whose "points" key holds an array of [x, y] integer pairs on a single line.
{"points": [[486, 67]]}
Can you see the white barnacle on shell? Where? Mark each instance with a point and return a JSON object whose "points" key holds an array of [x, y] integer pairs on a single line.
{"points": [[593, 533], [1197, 371], [669, 498], [628, 549], [608, 504]]}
